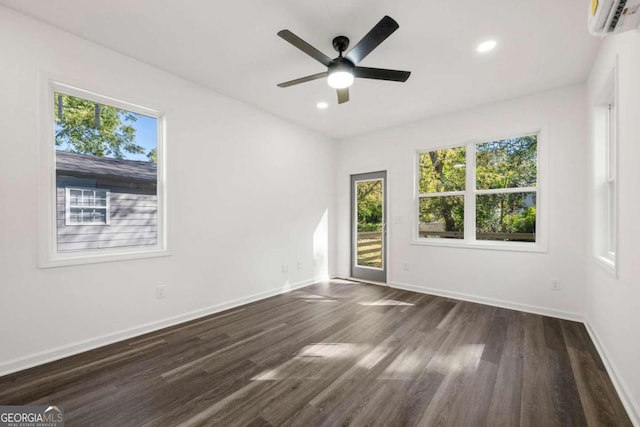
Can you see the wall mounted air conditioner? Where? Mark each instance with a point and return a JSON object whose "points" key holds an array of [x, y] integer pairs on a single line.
{"points": [[613, 16]]}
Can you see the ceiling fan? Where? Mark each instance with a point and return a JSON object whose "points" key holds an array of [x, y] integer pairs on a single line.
{"points": [[342, 70]]}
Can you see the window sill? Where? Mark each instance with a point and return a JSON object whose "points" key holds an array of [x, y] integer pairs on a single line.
{"points": [[59, 260], [485, 245], [607, 265]]}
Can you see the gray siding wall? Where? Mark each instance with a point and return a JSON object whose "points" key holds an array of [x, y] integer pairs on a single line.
{"points": [[133, 216]]}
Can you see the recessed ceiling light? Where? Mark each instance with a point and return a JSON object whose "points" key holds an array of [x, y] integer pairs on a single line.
{"points": [[486, 46], [322, 105]]}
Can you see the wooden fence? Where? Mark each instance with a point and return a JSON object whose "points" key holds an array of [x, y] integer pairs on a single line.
{"points": [[370, 249], [511, 237]]}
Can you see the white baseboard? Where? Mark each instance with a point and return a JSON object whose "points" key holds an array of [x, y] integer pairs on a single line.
{"points": [[630, 404], [567, 315], [35, 359]]}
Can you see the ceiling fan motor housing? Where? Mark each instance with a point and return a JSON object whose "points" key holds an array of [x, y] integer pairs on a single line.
{"points": [[340, 44], [341, 64]]}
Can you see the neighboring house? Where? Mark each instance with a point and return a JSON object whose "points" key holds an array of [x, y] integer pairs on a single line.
{"points": [[104, 202]]}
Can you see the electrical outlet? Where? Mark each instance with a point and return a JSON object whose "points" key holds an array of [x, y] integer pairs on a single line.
{"points": [[555, 284], [161, 291], [285, 268], [405, 266], [299, 265]]}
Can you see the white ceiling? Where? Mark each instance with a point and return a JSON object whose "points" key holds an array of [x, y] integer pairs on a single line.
{"points": [[232, 47]]}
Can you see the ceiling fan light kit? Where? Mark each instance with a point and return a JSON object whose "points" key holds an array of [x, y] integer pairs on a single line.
{"points": [[342, 71], [340, 79]]}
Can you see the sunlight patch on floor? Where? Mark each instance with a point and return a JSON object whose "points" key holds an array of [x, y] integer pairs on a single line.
{"points": [[320, 354], [313, 298], [386, 302], [372, 358], [465, 358], [405, 366], [332, 350]]}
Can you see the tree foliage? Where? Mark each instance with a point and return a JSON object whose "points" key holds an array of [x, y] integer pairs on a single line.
{"points": [[152, 155], [509, 163], [443, 171], [82, 126], [369, 205]]}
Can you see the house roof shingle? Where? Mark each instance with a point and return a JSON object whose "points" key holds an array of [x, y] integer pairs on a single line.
{"points": [[86, 165]]}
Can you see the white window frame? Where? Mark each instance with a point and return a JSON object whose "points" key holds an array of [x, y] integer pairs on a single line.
{"points": [[612, 182], [606, 186], [47, 186], [469, 241], [68, 206]]}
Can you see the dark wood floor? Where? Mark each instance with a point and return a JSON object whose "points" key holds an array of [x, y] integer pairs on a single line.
{"points": [[335, 354]]}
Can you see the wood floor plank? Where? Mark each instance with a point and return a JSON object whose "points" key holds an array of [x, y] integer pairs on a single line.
{"points": [[536, 397], [337, 353], [505, 406]]}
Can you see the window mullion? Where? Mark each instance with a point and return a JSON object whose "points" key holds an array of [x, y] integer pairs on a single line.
{"points": [[442, 194], [470, 196], [508, 190]]}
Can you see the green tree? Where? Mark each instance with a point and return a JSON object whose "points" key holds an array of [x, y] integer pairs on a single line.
{"points": [[442, 171], [507, 163], [369, 196], [152, 155], [85, 127]]}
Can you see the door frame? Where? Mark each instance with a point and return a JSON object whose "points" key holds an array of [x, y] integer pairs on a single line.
{"points": [[359, 272]]}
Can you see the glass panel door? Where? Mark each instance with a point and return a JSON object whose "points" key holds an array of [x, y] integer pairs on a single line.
{"points": [[368, 225]]}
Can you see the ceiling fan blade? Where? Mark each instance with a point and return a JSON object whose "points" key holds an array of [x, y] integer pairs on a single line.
{"points": [[304, 79], [305, 47], [377, 35], [343, 95], [381, 74]]}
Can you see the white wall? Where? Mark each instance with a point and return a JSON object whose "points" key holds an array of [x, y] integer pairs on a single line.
{"points": [[248, 192], [613, 304], [514, 279]]}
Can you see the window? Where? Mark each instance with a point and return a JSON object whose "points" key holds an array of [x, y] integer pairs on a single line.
{"points": [[442, 188], [106, 185], [86, 206], [611, 189], [480, 192], [605, 173]]}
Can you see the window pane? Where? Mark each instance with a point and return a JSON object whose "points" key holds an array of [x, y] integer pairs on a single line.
{"points": [[442, 170], [611, 187], [87, 215], [506, 217], [508, 163], [102, 148], [611, 137], [88, 199], [442, 217], [370, 222]]}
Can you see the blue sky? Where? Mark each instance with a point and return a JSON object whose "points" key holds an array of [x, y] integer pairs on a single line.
{"points": [[146, 136]]}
